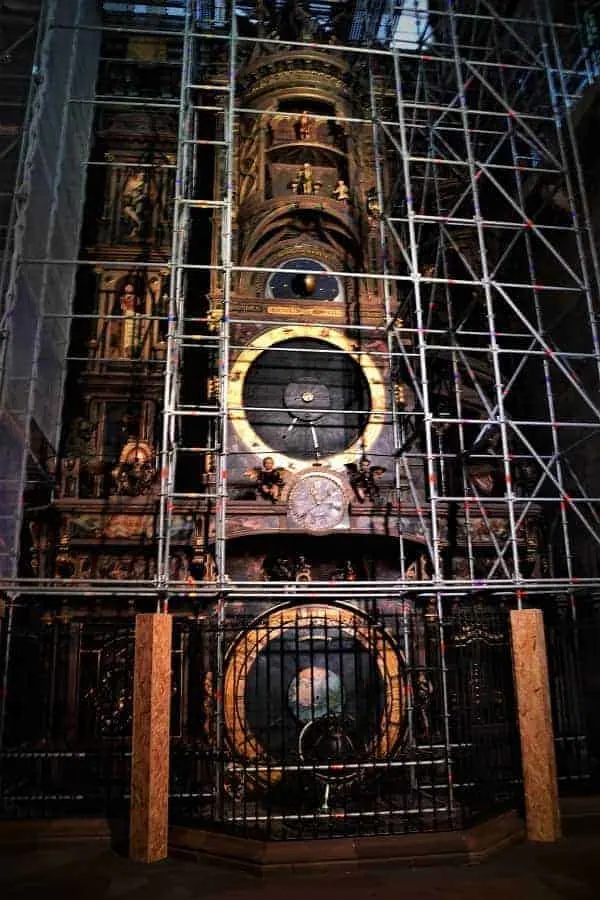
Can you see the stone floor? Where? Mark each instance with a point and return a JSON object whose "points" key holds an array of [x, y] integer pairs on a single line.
{"points": [[93, 870]]}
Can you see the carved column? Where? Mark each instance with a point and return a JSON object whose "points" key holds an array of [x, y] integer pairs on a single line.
{"points": [[535, 725], [148, 825]]}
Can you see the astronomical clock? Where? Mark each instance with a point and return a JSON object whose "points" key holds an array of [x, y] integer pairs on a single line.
{"points": [[305, 393], [311, 465]]}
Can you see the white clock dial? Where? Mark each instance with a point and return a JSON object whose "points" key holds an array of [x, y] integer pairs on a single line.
{"points": [[317, 502]]}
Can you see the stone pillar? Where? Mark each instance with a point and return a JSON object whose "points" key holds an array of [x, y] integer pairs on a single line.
{"points": [[148, 822], [535, 725]]}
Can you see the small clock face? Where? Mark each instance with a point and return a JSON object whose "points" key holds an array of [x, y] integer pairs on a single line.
{"points": [[285, 285], [317, 502]]}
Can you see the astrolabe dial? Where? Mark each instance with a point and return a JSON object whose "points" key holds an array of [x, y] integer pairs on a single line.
{"points": [[317, 502]]}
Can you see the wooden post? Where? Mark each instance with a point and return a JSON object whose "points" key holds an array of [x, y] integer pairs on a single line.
{"points": [[148, 822], [535, 725]]}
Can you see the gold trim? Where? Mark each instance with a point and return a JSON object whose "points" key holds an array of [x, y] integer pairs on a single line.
{"points": [[353, 622], [239, 370]]}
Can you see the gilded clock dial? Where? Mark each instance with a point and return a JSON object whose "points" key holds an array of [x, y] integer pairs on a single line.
{"points": [[316, 502], [306, 398]]}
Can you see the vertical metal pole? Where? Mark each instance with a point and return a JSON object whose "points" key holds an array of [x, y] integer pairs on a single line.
{"points": [[388, 288], [7, 623], [224, 350], [427, 414], [487, 288], [168, 455]]}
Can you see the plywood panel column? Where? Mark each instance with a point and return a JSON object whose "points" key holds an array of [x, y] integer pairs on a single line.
{"points": [[535, 725], [148, 825]]}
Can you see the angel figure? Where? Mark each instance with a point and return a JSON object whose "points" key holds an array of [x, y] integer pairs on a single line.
{"points": [[269, 480], [363, 480]]}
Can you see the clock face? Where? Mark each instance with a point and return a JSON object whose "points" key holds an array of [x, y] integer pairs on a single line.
{"points": [[317, 502], [306, 398], [285, 285]]}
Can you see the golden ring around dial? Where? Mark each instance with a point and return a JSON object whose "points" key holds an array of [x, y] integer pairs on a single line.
{"points": [[342, 620]]}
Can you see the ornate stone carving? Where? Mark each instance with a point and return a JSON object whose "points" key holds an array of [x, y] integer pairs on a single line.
{"points": [[135, 473]]}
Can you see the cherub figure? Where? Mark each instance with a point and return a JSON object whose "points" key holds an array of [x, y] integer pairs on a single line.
{"points": [[269, 480], [363, 480]]}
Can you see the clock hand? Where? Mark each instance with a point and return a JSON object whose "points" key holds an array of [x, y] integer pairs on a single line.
{"points": [[289, 428], [315, 442]]}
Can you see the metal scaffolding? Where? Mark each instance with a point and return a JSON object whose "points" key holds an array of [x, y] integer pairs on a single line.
{"points": [[42, 213], [488, 276], [489, 269]]}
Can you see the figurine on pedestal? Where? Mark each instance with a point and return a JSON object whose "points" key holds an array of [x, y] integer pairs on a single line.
{"points": [[304, 127], [341, 192], [305, 179]]}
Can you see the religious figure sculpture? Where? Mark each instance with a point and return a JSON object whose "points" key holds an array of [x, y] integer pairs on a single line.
{"points": [[134, 204], [128, 307], [134, 473]]}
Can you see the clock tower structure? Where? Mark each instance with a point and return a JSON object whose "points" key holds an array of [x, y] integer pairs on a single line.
{"points": [[309, 392]]}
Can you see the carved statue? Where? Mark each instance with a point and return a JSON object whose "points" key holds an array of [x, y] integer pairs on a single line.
{"points": [[486, 475], [363, 480], [345, 572], [341, 192], [135, 203], [129, 309], [81, 437], [373, 208], [79, 451], [284, 568], [279, 569], [69, 486], [305, 179], [303, 570], [249, 158], [423, 691], [304, 127], [134, 474], [269, 480]]}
